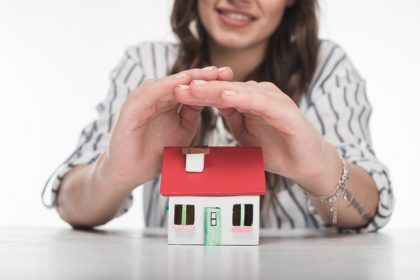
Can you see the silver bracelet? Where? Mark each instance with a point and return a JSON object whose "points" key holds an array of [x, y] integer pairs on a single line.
{"points": [[341, 188]]}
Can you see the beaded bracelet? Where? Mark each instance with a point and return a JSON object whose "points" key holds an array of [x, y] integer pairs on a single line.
{"points": [[341, 188]]}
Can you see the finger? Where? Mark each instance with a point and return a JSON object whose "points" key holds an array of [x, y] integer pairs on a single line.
{"points": [[251, 83], [268, 85], [251, 96], [225, 73], [204, 93], [273, 106], [210, 73], [164, 87], [161, 90]]}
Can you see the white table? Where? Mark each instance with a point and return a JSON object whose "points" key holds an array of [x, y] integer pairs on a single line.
{"points": [[48, 253]]}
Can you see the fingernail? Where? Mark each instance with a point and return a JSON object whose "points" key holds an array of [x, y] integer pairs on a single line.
{"points": [[229, 92], [208, 68], [180, 75], [222, 69], [183, 87], [199, 82]]}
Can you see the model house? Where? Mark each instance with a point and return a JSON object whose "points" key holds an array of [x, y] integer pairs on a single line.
{"points": [[214, 194]]}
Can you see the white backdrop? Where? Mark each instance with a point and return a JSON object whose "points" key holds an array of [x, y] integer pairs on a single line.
{"points": [[55, 57]]}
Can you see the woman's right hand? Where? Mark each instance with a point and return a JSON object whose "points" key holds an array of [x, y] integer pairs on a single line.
{"points": [[147, 122]]}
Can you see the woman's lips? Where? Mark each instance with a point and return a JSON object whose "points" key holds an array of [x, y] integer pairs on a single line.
{"points": [[234, 18]]}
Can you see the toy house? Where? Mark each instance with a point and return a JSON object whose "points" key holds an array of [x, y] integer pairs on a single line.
{"points": [[214, 194]]}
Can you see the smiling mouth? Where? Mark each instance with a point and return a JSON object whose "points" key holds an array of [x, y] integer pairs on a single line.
{"points": [[235, 16]]}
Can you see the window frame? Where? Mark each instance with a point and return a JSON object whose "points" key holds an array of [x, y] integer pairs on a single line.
{"points": [[242, 217], [184, 216]]}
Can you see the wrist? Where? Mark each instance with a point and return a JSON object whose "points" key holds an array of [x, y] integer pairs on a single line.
{"points": [[101, 175], [324, 180]]}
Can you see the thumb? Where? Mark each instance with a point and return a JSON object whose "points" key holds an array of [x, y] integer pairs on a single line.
{"points": [[235, 120], [189, 115]]}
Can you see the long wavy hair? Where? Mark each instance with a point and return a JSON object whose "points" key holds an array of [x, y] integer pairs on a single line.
{"points": [[290, 59]]}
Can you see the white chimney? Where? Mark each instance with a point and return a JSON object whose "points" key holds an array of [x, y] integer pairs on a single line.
{"points": [[194, 158]]}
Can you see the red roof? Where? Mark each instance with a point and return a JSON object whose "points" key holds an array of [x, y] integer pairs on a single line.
{"points": [[227, 171]]}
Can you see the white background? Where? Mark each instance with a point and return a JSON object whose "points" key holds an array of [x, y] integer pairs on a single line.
{"points": [[55, 57]]}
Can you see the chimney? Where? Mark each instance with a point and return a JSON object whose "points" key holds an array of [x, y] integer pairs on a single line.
{"points": [[194, 158]]}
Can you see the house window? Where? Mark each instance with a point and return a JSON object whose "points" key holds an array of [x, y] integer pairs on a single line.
{"points": [[242, 214], [184, 214]]}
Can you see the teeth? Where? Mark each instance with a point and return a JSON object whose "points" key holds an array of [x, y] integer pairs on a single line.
{"points": [[236, 16]]}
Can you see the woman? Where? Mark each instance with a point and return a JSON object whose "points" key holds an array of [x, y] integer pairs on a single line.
{"points": [[251, 73]]}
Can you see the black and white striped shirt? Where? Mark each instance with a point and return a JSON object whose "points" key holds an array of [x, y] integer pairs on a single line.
{"points": [[336, 103]]}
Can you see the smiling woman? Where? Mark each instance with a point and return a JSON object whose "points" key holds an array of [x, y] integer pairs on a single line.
{"points": [[249, 73]]}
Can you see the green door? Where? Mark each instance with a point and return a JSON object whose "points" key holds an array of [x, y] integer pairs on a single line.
{"points": [[212, 226]]}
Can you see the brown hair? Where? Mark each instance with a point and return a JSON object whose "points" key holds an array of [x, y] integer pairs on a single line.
{"points": [[289, 63]]}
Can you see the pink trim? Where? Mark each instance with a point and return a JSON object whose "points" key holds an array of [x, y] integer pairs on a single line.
{"points": [[241, 229], [184, 227]]}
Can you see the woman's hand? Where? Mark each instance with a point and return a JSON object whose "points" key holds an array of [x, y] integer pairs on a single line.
{"points": [[149, 120], [260, 114]]}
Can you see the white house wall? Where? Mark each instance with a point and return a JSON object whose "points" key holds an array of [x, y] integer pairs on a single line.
{"points": [[225, 203]]}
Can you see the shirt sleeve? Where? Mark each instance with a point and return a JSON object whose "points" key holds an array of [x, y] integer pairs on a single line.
{"points": [[94, 138], [339, 107]]}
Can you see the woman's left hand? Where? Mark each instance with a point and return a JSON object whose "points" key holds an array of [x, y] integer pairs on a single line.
{"points": [[260, 114]]}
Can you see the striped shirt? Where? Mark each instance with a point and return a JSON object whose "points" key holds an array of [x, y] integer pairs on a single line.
{"points": [[336, 104]]}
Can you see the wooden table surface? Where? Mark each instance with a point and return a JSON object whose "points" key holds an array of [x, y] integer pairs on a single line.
{"points": [[61, 253]]}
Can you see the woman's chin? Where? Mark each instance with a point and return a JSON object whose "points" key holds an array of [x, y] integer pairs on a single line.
{"points": [[233, 42]]}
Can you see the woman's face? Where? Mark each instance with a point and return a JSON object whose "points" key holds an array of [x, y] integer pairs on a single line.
{"points": [[241, 23]]}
